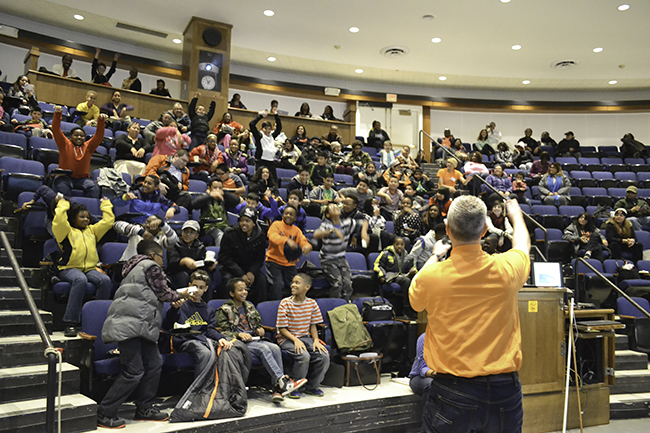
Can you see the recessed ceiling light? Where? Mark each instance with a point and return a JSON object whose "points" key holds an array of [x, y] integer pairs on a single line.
{"points": [[623, 7], [598, 50], [442, 78], [427, 17], [359, 71], [525, 82], [271, 59], [505, 1], [269, 13], [516, 47], [613, 82], [177, 41], [354, 29], [436, 40], [78, 17]]}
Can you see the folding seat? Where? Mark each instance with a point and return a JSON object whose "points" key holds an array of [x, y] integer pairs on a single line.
{"points": [[548, 216], [197, 186], [14, 139], [534, 190], [93, 205], [643, 178], [343, 180], [511, 172], [614, 168], [178, 220], [525, 208], [589, 151], [637, 324], [363, 280], [325, 305], [638, 168], [566, 160], [361, 139], [569, 212], [390, 228], [605, 179], [125, 176], [20, 175], [68, 126], [616, 193], [216, 275], [314, 258], [216, 303], [611, 160], [283, 194], [142, 122], [285, 173], [643, 193], [626, 178], [582, 179], [577, 198], [33, 221], [555, 249], [597, 196], [369, 150], [644, 238], [549, 149], [12, 150], [109, 256], [589, 287], [607, 151], [634, 161], [311, 225]]}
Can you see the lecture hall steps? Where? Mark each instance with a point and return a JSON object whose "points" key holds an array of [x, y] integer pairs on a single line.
{"points": [[630, 397], [23, 366]]}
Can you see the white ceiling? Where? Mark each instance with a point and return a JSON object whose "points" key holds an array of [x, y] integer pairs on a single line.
{"points": [[474, 53]]}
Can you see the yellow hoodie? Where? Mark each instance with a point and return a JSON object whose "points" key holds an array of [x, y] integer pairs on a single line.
{"points": [[79, 247]]}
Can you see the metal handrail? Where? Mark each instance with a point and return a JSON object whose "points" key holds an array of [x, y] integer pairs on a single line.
{"points": [[612, 285], [42, 332], [526, 216]]}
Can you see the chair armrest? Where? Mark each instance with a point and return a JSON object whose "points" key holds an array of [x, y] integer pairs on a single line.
{"points": [[88, 337], [268, 328]]}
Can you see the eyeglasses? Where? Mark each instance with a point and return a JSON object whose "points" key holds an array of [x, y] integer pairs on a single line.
{"points": [[159, 255]]}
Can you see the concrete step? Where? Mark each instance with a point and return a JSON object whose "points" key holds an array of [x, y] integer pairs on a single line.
{"points": [[20, 322], [12, 298], [630, 360], [78, 414], [29, 382], [4, 259], [8, 224], [632, 381], [629, 406], [29, 350], [8, 277], [11, 236], [621, 342]]}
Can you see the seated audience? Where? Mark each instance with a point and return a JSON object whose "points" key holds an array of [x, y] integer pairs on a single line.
{"points": [[310, 150], [449, 176], [239, 319], [300, 139], [236, 160], [137, 345], [458, 150], [213, 206], [332, 136], [202, 321], [377, 136], [328, 114], [304, 111], [290, 156], [116, 111], [88, 111], [169, 140], [357, 159], [174, 176], [262, 181], [133, 82], [267, 214], [227, 129], [147, 200], [242, 253], [74, 155], [407, 221], [320, 170], [419, 204], [387, 156], [394, 265], [154, 228], [98, 69], [322, 196], [35, 125], [421, 375], [64, 68], [423, 246], [500, 181], [504, 156], [236, 102], [24, 92], [499, 227], [362, 192], [376, 226], [295, 199], [78, 239], [187, 256], [297, 334], [265, 141], [286, 244], [621, 237], [568, 146], [475, 168], [130, 151], [208, 156], [555, 186], [540, 167], [546, 140], [587, 239], [519, 188], [337, 160], [523, 158], [149, 132], [632, 148], [483, 144], [421, 183], [390, 198], [442, 199], [181, 118], [5, 120], [432, 218], [530, 143], [638, 212], [395, 170], [160, 89], [200, 119]]}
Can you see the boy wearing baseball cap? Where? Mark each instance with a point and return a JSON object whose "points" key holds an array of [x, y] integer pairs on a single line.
{"points": [[187, 256]]}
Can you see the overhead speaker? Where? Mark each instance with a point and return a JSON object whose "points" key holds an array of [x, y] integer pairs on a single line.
{"points": [[212, 36]]}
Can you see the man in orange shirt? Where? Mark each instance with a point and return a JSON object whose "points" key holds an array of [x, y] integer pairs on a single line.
{"points": [[473, 338]]}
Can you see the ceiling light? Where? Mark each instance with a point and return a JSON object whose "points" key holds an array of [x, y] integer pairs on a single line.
{"points": [[623, 7], [271, 59], [269, 13], [505, 1], [516, 47], [436, 40], [427, 17], [525, 82], [442, 78], [613, 82], [359, 71], [354, 29], [78, 17], [598, 50], [177, 41]]}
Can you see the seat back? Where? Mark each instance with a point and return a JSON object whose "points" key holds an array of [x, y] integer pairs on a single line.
{"points": [[582, 269], [216, 303], [357, 261], [93, 316], [197, 186], [625, 308], [644, 238], [541, 209], [328, 304], [268, 312], [11, 138], [602, 175], [112, 252], [91, 203]]}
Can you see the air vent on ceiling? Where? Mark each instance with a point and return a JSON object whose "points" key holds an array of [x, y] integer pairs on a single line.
{"points": [[564, 64], [393, 52], [150, 32]]}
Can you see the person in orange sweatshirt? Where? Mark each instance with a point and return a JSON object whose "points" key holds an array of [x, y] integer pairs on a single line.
{"points": [[74, 155], [286, 245]]}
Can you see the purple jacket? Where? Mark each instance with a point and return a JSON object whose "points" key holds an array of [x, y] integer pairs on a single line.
{"points": [[503, 183], [236, 162]]}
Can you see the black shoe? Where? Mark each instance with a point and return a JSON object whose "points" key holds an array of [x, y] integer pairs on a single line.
{"points": [[151, 414], [70, 330], [106, 422]]}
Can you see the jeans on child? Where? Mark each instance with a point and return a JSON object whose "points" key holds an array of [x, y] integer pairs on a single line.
{"points": [[141, 365], [279, 277], [65, 184], [309, 363], [200, 353], [78, 282], [338, 275], [270, 356]]}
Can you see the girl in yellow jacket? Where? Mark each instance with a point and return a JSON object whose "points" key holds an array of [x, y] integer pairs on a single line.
{"points": [[78, 242]]}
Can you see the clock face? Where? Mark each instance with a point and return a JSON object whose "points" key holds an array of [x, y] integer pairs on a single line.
{"points": [[208, 82]]}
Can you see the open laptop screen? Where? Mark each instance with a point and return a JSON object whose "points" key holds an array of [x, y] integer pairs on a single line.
{"points": [[547, 274]]}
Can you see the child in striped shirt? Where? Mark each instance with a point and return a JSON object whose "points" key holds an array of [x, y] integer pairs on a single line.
{"points": [[297, 318]]}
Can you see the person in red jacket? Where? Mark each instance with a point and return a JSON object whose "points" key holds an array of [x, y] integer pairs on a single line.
{"points": [[74, 155]]}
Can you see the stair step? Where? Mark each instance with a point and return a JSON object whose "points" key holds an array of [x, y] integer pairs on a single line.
{"points": [[4, 259], [21, 322], [11, 236], [629, 406], [12, 298], [78, 414], [8, 277], [29, 382], [29, 350], [631, 360], [8, 224], [621, 342], [632, 382]]}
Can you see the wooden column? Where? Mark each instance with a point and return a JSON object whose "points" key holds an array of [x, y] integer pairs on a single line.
{"points": [[426, 127], [206, 63], [31, 60]]}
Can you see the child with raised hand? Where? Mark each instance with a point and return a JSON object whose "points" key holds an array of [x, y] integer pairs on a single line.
{"points": [[238, 318], [297, 318], [200, 120], [202, 320], [78, 239], [153, 228]]}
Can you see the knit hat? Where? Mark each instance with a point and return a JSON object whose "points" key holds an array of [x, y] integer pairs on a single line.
{"points": [[632, 188], [250, 213], [621, 209], [192, 225]]}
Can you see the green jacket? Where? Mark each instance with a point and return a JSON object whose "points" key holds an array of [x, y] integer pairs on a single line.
{"points": [[626, 204], [228, 318]]}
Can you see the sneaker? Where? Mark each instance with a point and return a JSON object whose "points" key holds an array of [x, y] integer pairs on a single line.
{"points": [[277, 397], [588, 255], [151, 414], [294, 394], [70, 330], [292, 385], [106, 422], [315, 392]]}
